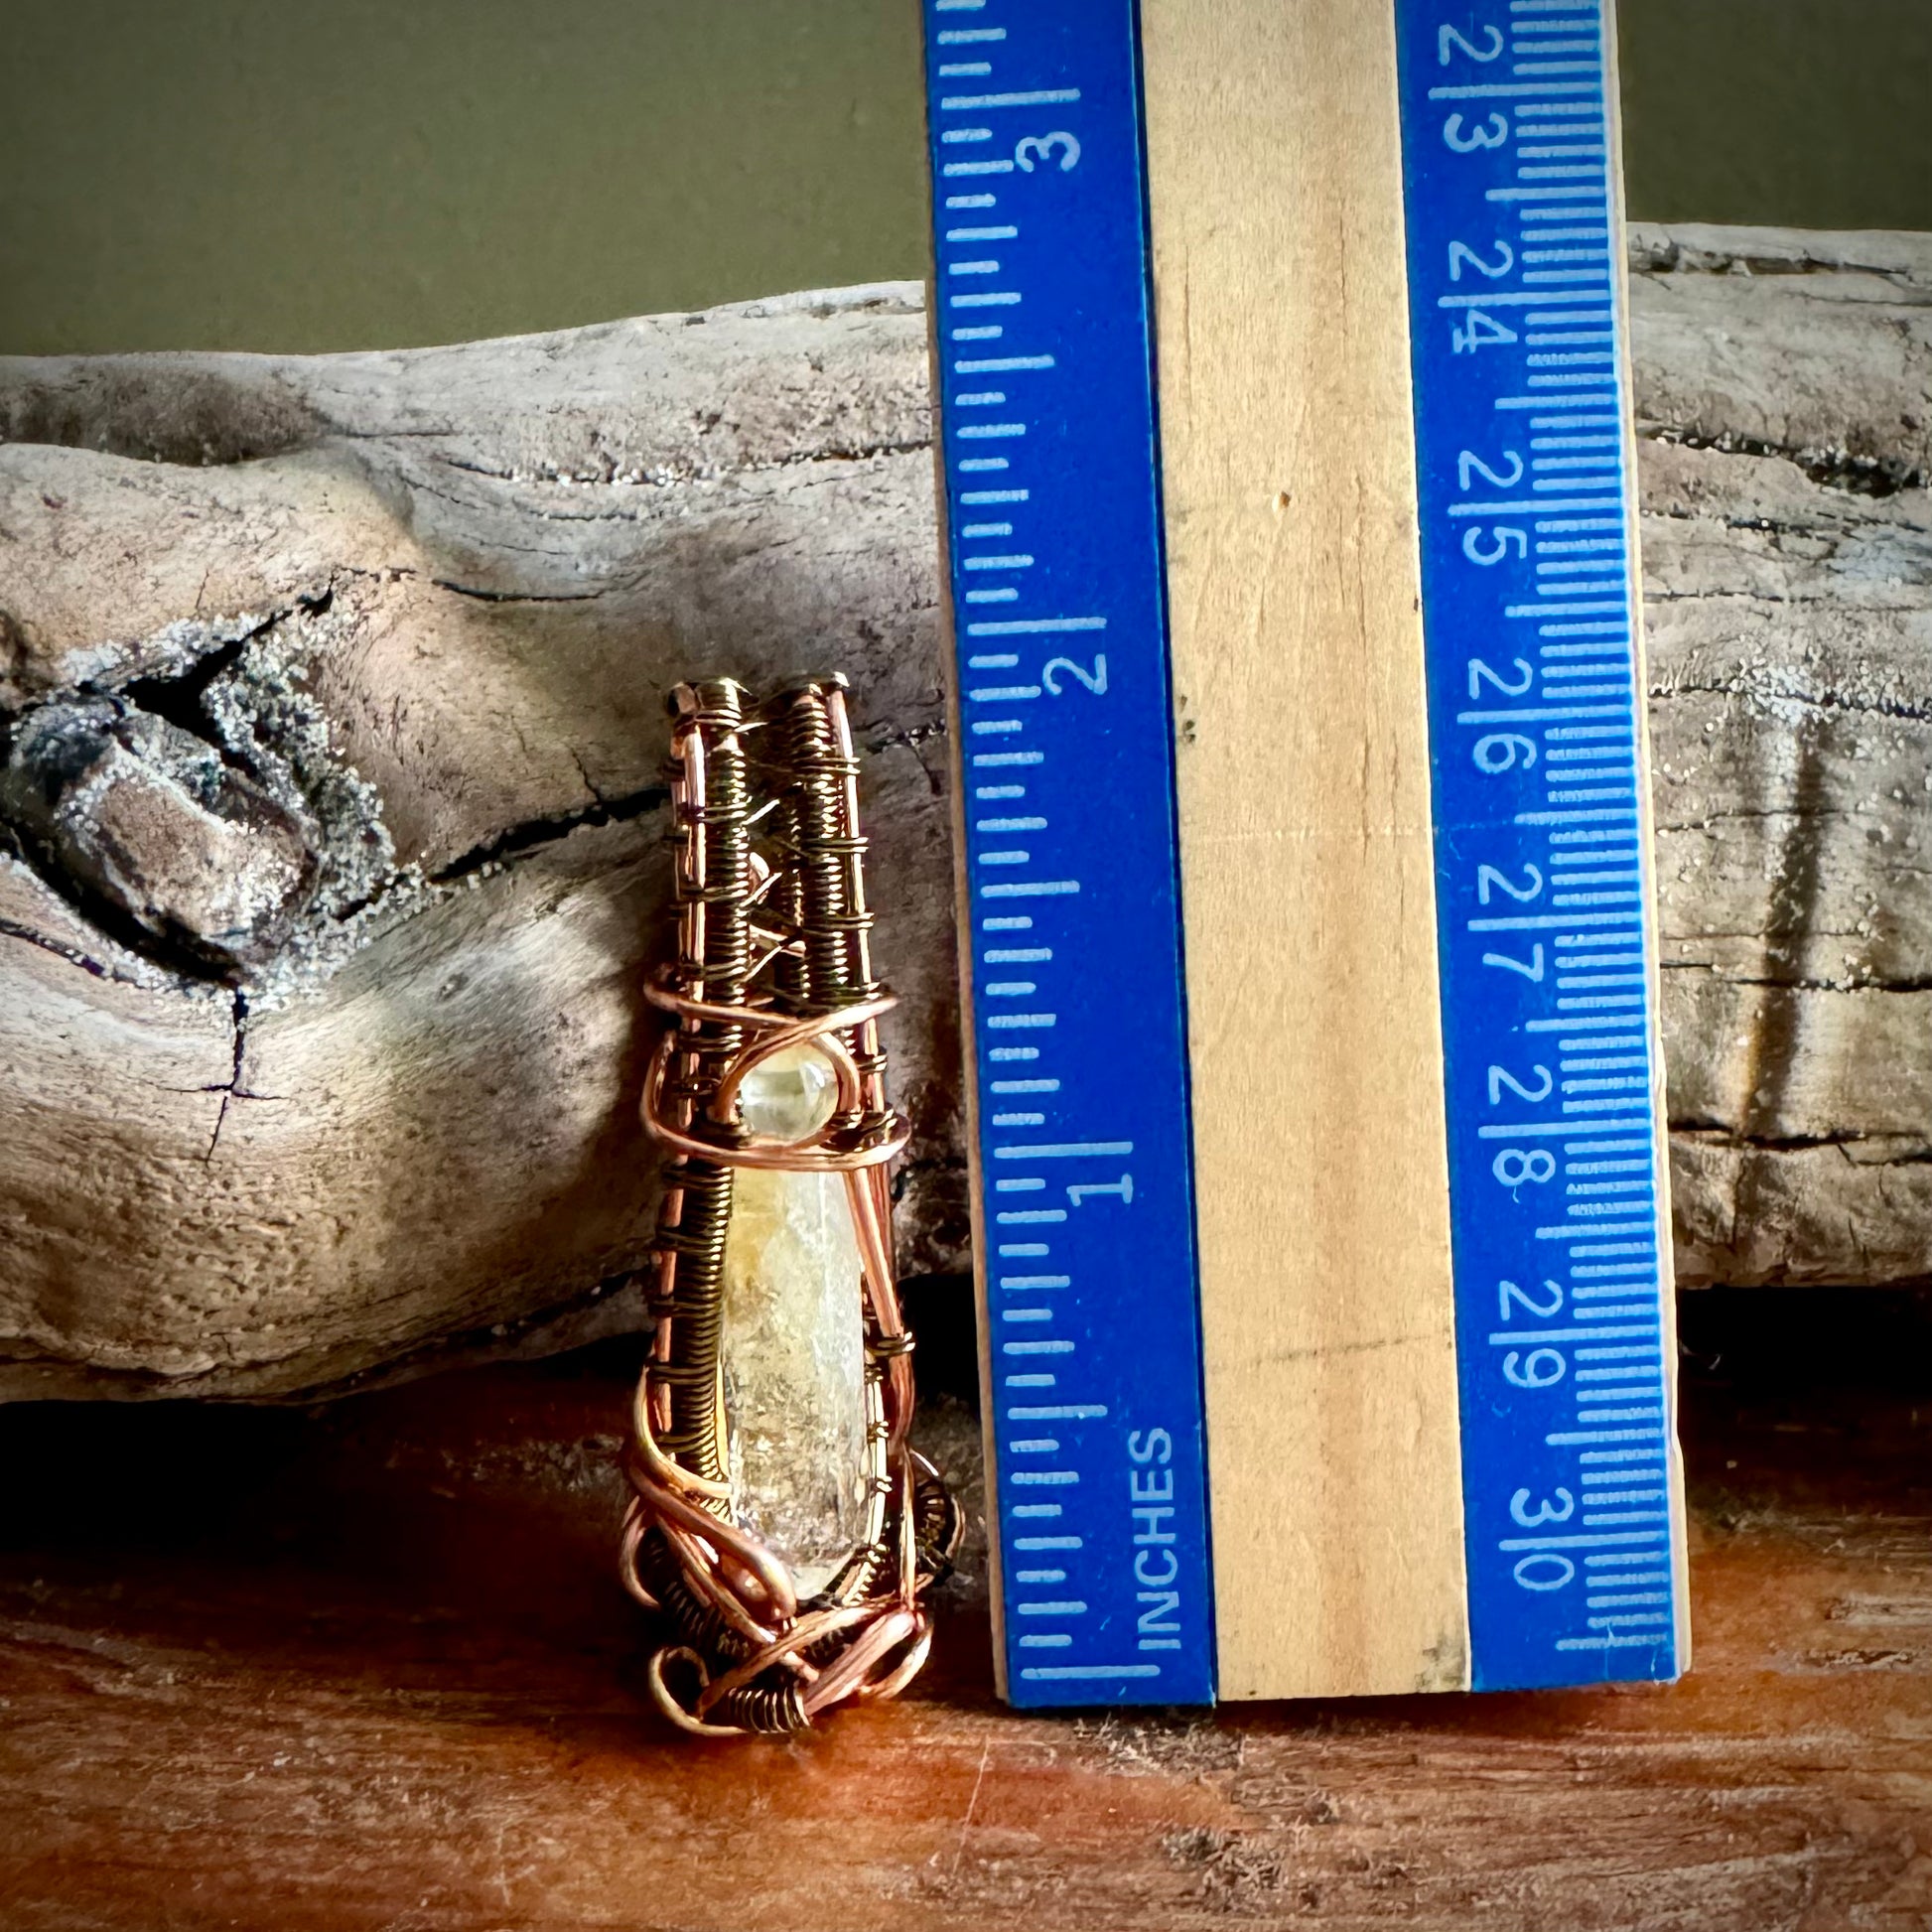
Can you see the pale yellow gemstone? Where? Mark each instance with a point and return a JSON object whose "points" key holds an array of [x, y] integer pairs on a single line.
{"points": [[795, 1338]]}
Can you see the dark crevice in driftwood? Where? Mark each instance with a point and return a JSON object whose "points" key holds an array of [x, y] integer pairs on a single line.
{"points": [[230, 1089], [71, 954], [193, 653], [1827, 533], [175, 952], [911, 738], [608, 1309], [517, 597], [1720, 814], [1861, 476], [514, 840], [1788, 941], [1741, 687], [181, 698], [1746, 596], [671, 476], [13, 650], [1652, 252], [910, 1176], [1913, 1154]]}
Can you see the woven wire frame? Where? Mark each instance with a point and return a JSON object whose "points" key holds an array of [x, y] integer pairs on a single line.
{"points": [[772, 954]]}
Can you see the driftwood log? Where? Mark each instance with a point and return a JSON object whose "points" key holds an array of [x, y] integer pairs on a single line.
{"points": [[331, 804]]}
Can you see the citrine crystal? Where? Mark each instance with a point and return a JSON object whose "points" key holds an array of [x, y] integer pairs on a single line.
{"points": [[793, 1343]]}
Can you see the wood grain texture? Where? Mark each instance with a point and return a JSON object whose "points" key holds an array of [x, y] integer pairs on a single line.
{"points": [[1784, 411], [428, 603], [1288, 477], [367, 1668]]}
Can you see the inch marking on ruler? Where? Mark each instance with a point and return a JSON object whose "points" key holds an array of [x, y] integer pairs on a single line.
{"points": [[1547, 955], [1086, 1221]]}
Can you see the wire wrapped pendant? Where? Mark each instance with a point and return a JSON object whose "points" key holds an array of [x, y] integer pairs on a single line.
{"points": [[780, 1522]]}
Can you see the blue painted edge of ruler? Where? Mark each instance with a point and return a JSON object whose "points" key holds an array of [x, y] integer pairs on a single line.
{"points": [[1079, 1067], [1559, 1205]]}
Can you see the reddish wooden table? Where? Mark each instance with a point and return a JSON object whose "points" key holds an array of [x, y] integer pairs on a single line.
{"points": [[367, 1668]]}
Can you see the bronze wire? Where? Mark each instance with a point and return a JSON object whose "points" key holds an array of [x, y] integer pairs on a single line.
{"points": [[772, 953]]}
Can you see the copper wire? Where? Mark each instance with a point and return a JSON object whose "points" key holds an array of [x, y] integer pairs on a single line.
{"points": [[751, 1655]]}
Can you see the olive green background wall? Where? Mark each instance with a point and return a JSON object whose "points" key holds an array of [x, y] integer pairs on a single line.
{"points": [[257, 174]]}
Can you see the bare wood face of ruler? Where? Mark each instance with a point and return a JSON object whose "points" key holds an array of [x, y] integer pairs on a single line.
{"points": [[1274, 170]]}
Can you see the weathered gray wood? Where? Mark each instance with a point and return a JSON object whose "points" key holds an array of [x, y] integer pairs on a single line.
{"points": [[331, 691], [1784, 392]]}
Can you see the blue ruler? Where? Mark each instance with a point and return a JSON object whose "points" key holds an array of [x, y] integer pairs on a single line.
{"points": [[1052, 504], [1547, 959], [1530, 605]]}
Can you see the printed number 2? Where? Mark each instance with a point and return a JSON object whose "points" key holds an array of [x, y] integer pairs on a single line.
{"points": [[1461, 253], [1469, 459], [1501, 1077], [1450, 42], [1488, 877], [1480, 673], [1095, 680]]}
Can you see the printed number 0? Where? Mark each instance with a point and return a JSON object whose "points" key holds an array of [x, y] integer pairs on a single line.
{"points": [[1544, 1570], [1491, 134], [1036, 148], [1515, 1165], [1095, 680]]}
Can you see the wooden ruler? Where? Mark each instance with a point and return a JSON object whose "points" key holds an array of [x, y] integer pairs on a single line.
{"points": [[1398, 702]]}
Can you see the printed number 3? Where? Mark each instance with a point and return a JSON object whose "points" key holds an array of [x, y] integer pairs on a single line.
{"points": [[1491, 132], [1036, 148], [1558, 1507]]}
